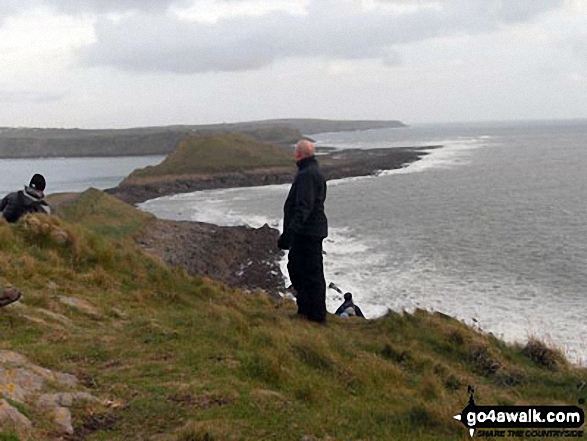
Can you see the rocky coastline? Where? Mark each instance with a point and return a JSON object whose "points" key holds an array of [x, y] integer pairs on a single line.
{"points": [[335, 164], [244, 257], [241, 257]]}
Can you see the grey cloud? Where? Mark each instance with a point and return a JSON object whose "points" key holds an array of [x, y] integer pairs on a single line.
{"points": [[150, 43], [579, 47], [392, 58], [521, 10], [15, 97], [105, 6], [48, 97], [334, 29], [13, 7]]}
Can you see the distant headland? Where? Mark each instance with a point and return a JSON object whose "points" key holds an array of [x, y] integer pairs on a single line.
{"points": [[51, 142]]}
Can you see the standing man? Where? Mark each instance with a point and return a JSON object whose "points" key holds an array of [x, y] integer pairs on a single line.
{"points": [[29, 200], [304, 228]]}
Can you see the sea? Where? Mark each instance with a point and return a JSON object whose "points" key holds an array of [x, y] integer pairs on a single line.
{"points": [[70, 174], [490, 229]]}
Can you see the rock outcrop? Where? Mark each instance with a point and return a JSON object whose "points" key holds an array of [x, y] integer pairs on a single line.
{"points": [[242, 257], [27, 389]]}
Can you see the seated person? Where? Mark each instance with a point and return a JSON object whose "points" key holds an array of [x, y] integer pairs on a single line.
{"points": [[348, 308], [29, 200]]}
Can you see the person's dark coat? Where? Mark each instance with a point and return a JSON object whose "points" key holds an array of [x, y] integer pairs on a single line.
{"points": [[304, 206], [29, 200], [349, 304]]}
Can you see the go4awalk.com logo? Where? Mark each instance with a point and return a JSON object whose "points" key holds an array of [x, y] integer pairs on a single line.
{"points": [[521, 421]]}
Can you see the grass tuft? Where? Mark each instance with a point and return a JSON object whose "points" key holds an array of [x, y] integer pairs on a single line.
{"points": [[482, 360], [398, 356], [312, 356], [542, 355], [198, 432]]}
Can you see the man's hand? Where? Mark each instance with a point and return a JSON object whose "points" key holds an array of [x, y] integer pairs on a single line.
{"points": [[284, 242]]}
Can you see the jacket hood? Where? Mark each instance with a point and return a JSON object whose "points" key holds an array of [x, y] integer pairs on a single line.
{"points": [[31, 195]]}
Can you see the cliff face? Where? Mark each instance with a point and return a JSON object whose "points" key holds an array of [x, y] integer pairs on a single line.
{"points": [[37, 142]]}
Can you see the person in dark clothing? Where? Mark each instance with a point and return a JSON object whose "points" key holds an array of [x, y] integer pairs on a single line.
{"points": [[29, 200], [304, 228], [348, 308]]}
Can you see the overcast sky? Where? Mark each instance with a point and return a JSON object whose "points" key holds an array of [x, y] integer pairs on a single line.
{"points": [[124, 63]]}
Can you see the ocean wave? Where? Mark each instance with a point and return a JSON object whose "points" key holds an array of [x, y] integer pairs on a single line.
{"points": [[343, 250], [224, 207], [454, 153]]}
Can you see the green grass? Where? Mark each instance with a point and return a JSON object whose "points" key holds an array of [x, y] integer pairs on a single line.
{"points": [[217, 153], [102, 213], [191, 359]]}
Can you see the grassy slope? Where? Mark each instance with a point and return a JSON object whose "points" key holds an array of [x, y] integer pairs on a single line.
{"points": [[189, 359], [101, 213], [217, 153]]}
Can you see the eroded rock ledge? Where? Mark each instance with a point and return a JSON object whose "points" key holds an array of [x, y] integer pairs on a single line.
{"points": [[242, 257]]}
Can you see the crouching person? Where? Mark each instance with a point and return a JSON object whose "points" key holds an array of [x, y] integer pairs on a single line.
{"points": [[348, 308], [29, 200]]}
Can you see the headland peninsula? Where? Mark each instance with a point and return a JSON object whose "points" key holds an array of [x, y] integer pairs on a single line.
{"points": [[204, 162], [241, 256]]}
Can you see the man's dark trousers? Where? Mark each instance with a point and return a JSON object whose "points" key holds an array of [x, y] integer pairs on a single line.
{"points": [[306, 272]]}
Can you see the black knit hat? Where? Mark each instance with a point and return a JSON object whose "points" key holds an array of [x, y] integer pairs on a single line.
{"points": [[38, 182]]}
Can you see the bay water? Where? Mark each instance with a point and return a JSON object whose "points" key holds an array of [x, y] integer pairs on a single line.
{"points": [[70, 174]]}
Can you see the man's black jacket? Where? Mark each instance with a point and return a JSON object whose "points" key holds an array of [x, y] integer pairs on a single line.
{"points": [[349, 304], [304, 206], [29, 200]]}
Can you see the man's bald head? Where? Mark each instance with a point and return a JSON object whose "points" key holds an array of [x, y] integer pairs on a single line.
{"points": [[304, 149]]}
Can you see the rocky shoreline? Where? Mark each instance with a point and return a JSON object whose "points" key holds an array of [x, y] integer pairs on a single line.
{"points": [[241, 257], [335, 164], [244, 257]]}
